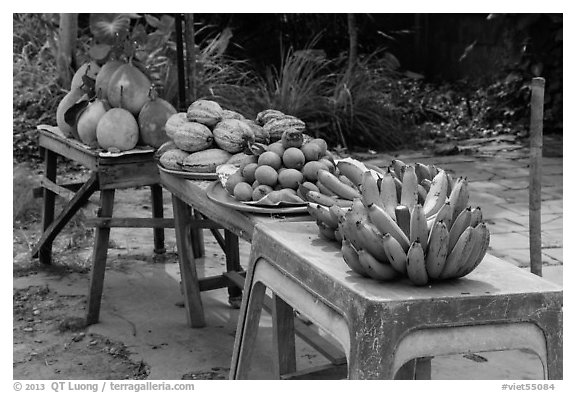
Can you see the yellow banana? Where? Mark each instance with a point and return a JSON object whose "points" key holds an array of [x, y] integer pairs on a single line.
{"points": [[350, 256], [476, 217], [337, 235], [459, 254], [433, 170], [479, 252], [388, 195], [322, 213], [459, 196], [416, 264], [450, 183], [375, 269], [437, 250], [396, 255], [336, 186], [422, 171], [323, 189], [347, 181], [318, 197], [370, 239], [476, 240], [386, 224], [437, 194], [374, 168], [351, 171], [458, 226], [398, 166], [304, 187], [398, 184], [444, 214], [369, 190], [422, 193], [325, 231], [357, 211], [409, 194], [403, 216], [337, 212], [418, 227]]}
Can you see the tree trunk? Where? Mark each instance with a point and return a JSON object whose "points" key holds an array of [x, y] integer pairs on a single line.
{"points": [[66, 59], [190, 56], [353, 40]]}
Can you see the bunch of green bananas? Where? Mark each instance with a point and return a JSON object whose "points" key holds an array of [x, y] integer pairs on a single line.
{"points": [[404, 220]]}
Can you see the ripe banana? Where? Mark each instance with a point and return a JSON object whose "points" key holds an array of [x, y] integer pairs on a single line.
{"points": [[444, 214], [396, 255], [422, 193], [403, 216], [459, 196], [351, 258], [370, 239], [351, 171], [433, 170], [304, 187], [437, 250], [325, 231], [386, 224], [416, 264], [398, 166], [476, 247], [418, 227], [398, 184], [476, 217], [322, 214], [426, 184], [357, 211], [374, 168], [323, 189], [480, 253], [388, 195], [409, 195], [347, 181], [450, 183], [422, 171], [318, 197], [437, 194], [336, 186], [458, 226], [459, 254], [369, 190], [375, 269], [337, 235]]}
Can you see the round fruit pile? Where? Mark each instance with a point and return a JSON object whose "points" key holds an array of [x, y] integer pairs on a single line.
{"points": [[403, 221], [113, 107]]}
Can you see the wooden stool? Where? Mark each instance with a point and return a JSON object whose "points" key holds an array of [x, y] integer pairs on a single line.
{"points": [[108, 173], [383, 327]]}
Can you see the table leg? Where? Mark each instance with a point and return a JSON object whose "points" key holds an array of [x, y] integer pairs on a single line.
{"points": [[158, 212], [284, 339], [197, 236], [188, 274], [49, 198], [99, 256], [247, 332], [231, 248]]}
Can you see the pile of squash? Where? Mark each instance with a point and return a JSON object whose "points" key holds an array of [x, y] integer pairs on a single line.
{"points": [[113, 107]]}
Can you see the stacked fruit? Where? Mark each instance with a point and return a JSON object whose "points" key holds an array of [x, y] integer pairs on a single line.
{"points": [[407, 220], [276, 170], [113, 107]]}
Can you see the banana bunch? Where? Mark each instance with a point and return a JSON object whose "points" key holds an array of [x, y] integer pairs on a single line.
{"points": [[404, 220]]}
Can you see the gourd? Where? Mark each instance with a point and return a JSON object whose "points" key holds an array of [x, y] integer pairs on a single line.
{"points": [[152, 120], [90, 69], [103, 77], [66, 103], [128, 88], [172, 159], [205, 112], [276, 126], [88, 121], [188, 135], [205, 161], [117, 130]]}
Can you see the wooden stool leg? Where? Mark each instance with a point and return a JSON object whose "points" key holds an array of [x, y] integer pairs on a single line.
{"points": [[50, 158], [231, 248], [99, 256], [158, 212], [284, 338], [248, 330], [189, 277], [197, 236]]}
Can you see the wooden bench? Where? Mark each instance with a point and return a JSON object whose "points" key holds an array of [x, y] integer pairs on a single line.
{"points": [[384, 327], [108, 172]]}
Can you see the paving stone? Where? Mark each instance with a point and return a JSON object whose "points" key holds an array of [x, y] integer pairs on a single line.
{"points": [[551, 193], [509, 241], [550, 222], [490, 210], [513, 184], [552, 180], [485, 187], [552, 169], [503, 226], [554, 274], [555, 253]]}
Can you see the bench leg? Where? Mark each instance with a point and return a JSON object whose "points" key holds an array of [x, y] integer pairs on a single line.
{"points": [[232, 251], [49, 199], [99, 256], [197, 236], [284, 343], [158, 212], [188, 274]]}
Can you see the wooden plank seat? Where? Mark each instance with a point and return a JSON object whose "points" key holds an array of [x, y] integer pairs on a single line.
{"points": [[108, 172], [392, 330]]}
